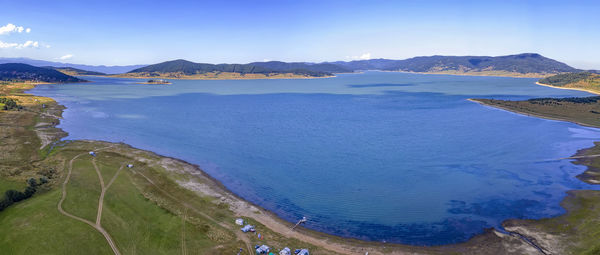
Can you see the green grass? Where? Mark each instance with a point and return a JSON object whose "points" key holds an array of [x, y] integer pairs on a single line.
{"points": [[9, 184], [138, 225], [83, 190], [142, 227], [109, 164], [35, 226]]}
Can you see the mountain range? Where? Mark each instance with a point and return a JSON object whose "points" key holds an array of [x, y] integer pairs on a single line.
{"points": [[526, 63], [523, 65], [25, 72], [99, 68]]}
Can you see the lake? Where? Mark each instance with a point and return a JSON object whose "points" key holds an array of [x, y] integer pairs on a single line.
{"points": [[380, 156]]}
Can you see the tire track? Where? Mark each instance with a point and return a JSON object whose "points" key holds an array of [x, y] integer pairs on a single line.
{"points": [[64, 196], [238, 234]]}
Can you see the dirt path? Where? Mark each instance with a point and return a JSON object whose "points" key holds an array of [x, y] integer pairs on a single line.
{"points": [[104, 189], [96, 226], [238, 234]]}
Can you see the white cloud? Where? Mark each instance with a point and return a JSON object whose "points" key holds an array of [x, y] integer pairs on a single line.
{"points": [[65, 57], [12, 28], [4, 45], [364, 56], [27, 44]]}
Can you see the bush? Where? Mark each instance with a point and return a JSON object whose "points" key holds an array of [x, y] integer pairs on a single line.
{"points": [[9, 104], [12, 196]]}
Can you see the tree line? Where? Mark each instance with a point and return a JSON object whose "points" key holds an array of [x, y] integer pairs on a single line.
{"points": [[12, 196], [9, 104]]}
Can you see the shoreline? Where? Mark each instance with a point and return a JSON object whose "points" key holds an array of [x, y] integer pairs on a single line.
{"points": [[481, 74], [557, 87], [244, 208], [529, 114], [220, 78]]}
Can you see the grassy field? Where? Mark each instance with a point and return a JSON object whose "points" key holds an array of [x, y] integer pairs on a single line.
{"points": [[8, 184], [34, 226]]}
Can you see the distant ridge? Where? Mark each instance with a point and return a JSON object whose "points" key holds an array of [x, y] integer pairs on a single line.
{"points": [[73, 71], [24, 72], [316, 67], [520, 65], [526, 63], [99, 68], [180, 67]]}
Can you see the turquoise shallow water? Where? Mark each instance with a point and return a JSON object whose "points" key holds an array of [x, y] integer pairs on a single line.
{"points": [[379, 156]]}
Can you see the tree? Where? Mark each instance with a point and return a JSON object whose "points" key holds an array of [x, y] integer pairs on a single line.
{"points": [[32, 182]]}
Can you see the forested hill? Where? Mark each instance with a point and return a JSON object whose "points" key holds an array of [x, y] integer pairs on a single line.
{"points": [[24, 72], [73, 71], [526, 63], [190, 68]]}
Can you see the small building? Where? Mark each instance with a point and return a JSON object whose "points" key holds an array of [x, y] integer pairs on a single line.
{"points": [[129, 165], [263, 249], [239, 222], [248, 228], [93, 154], [285, 251]]}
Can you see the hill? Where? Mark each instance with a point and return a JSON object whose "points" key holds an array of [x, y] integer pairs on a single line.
{"points": [[73, 71], [571, 78], [585, 81], [316, 67], [526, 64], [99, 68], [24, 72], [186, 69], [370, 64]]}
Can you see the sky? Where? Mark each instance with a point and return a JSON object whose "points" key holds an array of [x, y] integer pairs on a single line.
{"points": [[146, 32]]}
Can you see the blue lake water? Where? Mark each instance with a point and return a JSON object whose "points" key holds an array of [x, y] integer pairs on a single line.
{"points": [[381, 156]]}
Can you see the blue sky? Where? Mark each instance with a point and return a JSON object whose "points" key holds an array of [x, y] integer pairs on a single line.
{"points": [[145, 32]]}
